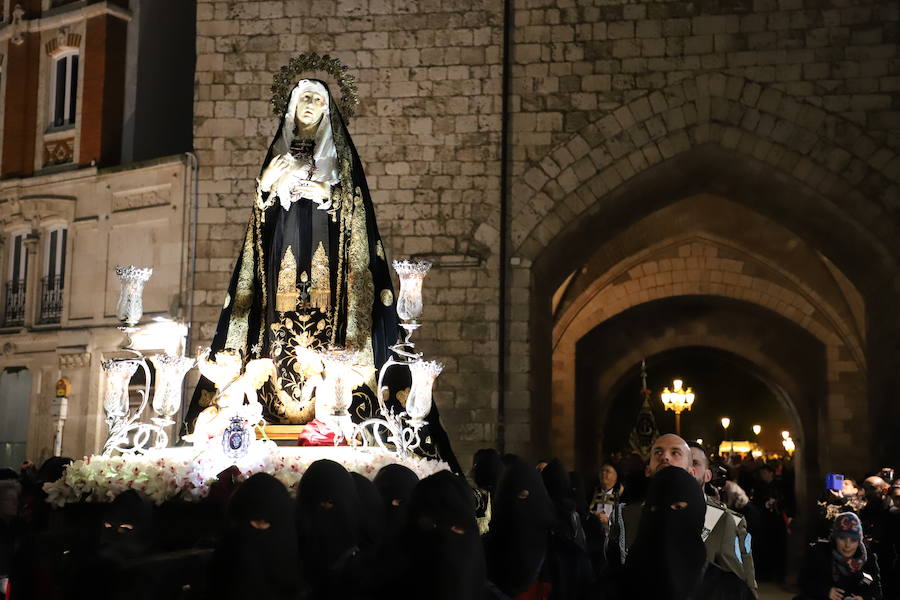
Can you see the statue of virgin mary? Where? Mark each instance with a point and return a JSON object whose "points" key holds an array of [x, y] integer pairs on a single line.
{"points": [[311, 274]]}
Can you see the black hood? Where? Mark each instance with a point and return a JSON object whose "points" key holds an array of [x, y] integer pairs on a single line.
{"points": [[668, 555], [521, 517], [446, 558]]}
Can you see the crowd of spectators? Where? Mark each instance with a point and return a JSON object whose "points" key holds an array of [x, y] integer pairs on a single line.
{"points": [[683, 525]]}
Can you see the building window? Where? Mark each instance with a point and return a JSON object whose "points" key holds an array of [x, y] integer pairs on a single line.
{"points": [[14, 313], [64, 89], [53, 282]]}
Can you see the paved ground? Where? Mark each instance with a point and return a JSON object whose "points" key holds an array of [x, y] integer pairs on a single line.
{"points": [[770, 591]]}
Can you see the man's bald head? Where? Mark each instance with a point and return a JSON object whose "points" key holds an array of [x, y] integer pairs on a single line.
{"points": [[875, 488], [669, 449]]}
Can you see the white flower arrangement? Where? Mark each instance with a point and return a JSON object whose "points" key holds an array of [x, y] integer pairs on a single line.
{"points": [[183, 473]]}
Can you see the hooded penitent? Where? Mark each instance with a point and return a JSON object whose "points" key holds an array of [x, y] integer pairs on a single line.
{"points": [[522, 514], [372, 517], [257, 556], [559, 487], [127, 531], [105, 571], [395, 484], [486, 469], [568, 568], [445, 559], [329, 519], [308, 279], [667, 558]]}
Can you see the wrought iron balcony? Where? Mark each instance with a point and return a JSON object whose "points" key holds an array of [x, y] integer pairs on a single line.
{"points": [[14, 313], [51, 299]]}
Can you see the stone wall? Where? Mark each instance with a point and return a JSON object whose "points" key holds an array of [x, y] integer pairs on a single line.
{"points": [[428, 136], [602, 93]]}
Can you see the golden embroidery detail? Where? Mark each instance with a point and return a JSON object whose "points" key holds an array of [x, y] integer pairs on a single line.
{"points": [[379, 250], [360, 287], [287, 295], [320, 286], [296, 339], [243, 298], [257, 218], [387, 297]]}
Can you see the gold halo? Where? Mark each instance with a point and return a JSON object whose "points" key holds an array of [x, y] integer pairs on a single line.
{"points": [[289, 74]]}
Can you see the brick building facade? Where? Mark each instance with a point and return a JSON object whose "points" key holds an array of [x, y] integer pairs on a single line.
{"points": [[74, 204]]}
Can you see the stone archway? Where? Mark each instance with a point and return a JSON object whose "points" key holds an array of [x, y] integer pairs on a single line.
{"points": [[686, 249], [565, 217], [820, 175]]}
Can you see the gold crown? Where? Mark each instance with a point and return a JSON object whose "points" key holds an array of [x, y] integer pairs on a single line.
{"points": [[289, 74]]}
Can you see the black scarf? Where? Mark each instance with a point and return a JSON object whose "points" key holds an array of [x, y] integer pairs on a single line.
{"points": [[521, 516], [667, 558]]}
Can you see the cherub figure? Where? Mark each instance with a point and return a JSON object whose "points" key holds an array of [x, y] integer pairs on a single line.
{"points": [[235, 394]]}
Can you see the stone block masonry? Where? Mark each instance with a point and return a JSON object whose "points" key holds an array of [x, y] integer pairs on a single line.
{"points": [[428, 131]]}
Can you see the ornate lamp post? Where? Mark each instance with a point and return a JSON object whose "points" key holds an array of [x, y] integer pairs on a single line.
{"points": [[725, 423], [757, 429], [788, 443], [677, 400]]}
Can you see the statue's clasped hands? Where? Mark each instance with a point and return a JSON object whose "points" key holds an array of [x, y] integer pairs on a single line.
{"points": [[282, 174]]}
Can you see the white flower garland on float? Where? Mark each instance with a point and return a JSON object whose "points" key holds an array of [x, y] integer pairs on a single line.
{"points": [[166, 476]]}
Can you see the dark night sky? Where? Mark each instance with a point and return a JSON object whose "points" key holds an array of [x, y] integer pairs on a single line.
{"points": [[723, 387]]}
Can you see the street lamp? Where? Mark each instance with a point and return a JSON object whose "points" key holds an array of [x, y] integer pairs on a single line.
{"points": [[725, 423], [677, 400], [757, 429], [789, 446]]}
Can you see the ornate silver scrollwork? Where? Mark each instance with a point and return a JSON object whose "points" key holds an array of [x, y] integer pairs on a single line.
{"points": [[127, 435], [400, 432]]}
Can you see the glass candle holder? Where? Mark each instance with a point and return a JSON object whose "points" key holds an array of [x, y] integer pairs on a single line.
{"points": [[170, 371], [409, 302], [115, 397], [335, 394], [418, 403], [130, 307]]}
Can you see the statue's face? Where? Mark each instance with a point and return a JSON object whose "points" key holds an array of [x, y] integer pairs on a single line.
{"points": [[310, 106]]}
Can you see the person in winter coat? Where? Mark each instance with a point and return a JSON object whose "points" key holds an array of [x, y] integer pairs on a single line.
{"points": [[841, 568]]}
